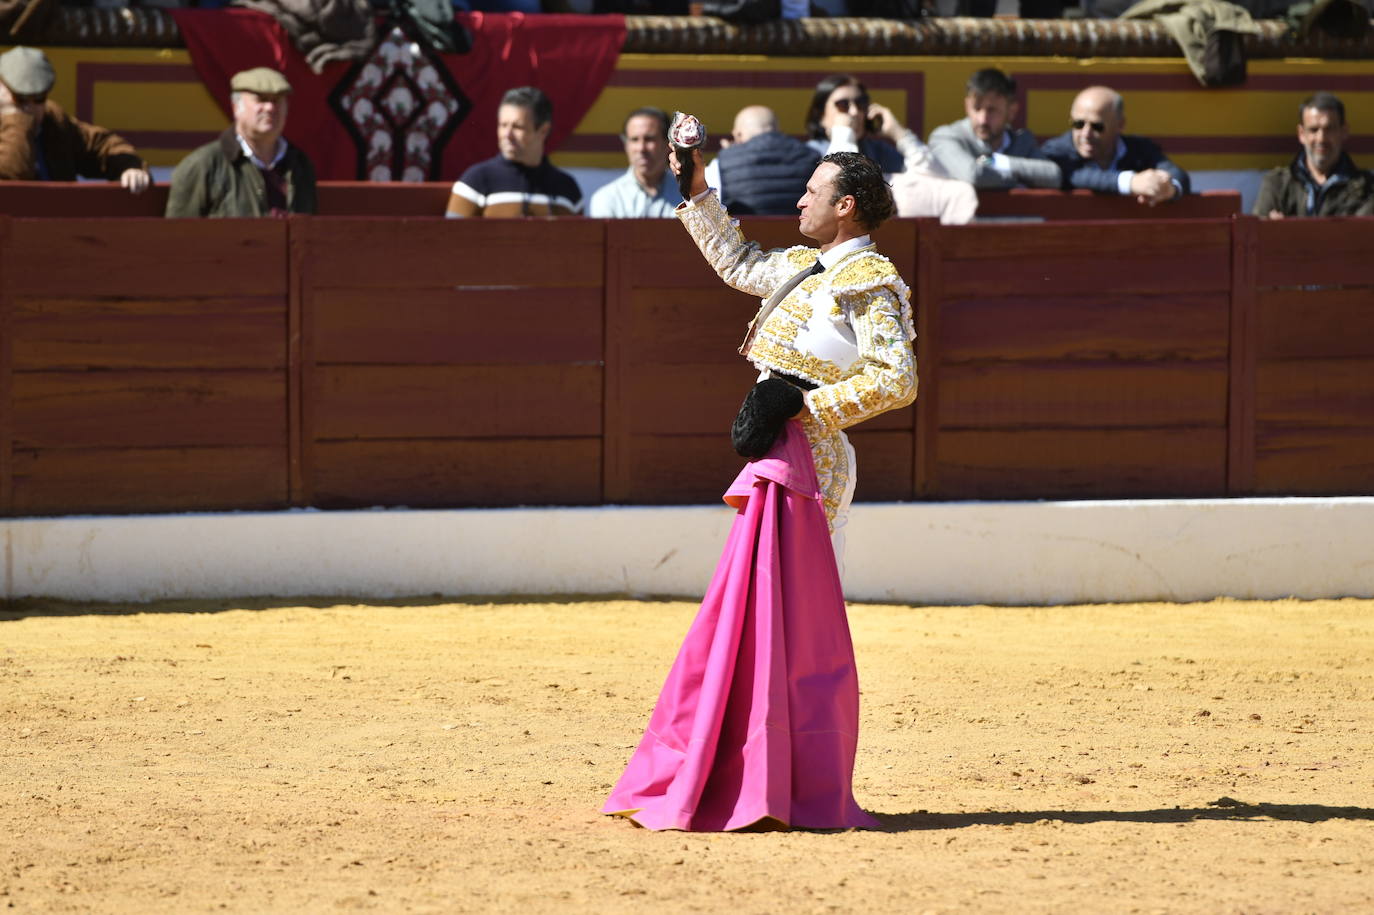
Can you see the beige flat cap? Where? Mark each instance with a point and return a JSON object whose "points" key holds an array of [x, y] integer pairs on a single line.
{"points": [[26, 71], [261, 80]]}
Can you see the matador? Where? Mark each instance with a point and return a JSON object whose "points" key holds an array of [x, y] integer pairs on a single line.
{"points": [[756, 726]]}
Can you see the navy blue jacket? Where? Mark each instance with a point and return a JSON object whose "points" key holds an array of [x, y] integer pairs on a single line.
{"points": [[766, 174], [1141, 153]]}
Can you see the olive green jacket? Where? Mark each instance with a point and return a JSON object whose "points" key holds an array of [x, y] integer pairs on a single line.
{"points": [[1290, 191], [218, 180]]}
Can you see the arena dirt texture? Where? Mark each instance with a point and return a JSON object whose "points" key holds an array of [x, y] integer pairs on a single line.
{"points": [[451, 757]]}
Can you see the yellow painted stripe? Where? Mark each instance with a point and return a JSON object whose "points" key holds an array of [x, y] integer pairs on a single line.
{"points": [[143, 106], [185, 105]]}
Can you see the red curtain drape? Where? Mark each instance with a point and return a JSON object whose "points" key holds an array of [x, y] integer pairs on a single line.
{"points": [[569, 57]]}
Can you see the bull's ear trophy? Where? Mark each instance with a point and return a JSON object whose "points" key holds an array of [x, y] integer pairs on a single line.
{"points": [[686, 133]]}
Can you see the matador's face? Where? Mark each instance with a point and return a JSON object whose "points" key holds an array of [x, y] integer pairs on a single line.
{"points": [[819, 216]]}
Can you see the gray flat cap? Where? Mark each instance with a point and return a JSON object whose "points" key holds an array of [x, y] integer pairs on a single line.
{"points": [[262, 80], [26, 71]]}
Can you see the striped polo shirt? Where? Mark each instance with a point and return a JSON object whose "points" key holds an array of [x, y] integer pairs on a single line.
{"points": [[499, 187]]}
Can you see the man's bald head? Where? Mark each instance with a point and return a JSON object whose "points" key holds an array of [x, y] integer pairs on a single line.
{"points": [[752, 121], [1096, 118], [1102, 97]]}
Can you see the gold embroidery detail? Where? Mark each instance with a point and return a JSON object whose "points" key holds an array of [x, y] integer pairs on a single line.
{"points": [[866, 397], [883, 379], [863, 329], [769, 355], [799, 307], [780, 332], [832, 466], [869, 271], [865, 287], [802, 258], [737, 261], [786, 321], [864, 269]]}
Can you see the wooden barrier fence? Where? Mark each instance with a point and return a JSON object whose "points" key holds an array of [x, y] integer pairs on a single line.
{"points": [[83, 200], [152, 365], [1105, 342], [1303, 395]]}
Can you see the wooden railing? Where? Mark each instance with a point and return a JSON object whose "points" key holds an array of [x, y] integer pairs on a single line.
{"points": [[365, 198], [155, 365], [1056, 206]]}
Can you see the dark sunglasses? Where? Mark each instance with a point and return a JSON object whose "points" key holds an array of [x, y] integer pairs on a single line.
{"points": [[29, 99], [1095, 126], [860, 103]]}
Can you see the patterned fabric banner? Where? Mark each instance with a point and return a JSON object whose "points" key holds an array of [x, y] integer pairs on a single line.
{"points": [[405, 113]]}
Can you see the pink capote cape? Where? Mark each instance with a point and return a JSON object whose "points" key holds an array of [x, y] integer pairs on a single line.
{"points": [[759, 716]]}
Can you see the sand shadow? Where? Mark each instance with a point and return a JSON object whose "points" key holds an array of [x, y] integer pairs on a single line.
{"points": [[1224, 809]]}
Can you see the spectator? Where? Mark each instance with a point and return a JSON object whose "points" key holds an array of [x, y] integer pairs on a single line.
{"points": [[250, 170], [842, 118], [519, 180], [1096, 155], [984, 148], [646, 189], [1322, 180], [41, 142], [761, 171]]}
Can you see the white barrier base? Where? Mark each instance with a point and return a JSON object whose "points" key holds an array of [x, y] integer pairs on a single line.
{"points": [[1020, 553]]}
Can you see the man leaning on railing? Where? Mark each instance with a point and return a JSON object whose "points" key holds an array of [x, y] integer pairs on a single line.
{"points": [[41, 142], [985, 148], [1097, 155]]}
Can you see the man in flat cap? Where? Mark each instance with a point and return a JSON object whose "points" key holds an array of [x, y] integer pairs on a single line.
{"points": [[41, 142], [250, 170]]}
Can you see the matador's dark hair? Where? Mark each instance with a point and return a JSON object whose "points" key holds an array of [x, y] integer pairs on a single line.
{"points": [[862, 178]]}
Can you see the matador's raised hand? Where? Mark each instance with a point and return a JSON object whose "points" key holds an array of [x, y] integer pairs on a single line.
{"points": [[685, 134]]}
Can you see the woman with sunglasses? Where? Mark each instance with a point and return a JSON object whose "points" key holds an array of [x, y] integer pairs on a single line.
{"points": [[842, 118]]}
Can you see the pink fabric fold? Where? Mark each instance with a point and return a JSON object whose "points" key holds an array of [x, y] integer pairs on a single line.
{"points": [[759, 716]]}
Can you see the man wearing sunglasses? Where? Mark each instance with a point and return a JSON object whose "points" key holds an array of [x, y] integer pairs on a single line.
{"points": [[40, 142], [1095, 154]]}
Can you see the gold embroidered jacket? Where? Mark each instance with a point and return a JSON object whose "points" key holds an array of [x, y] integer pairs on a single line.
{"points": [[847, 329]]}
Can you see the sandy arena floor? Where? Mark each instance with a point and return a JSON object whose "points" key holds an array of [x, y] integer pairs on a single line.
{"points": [[451, 758]]}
